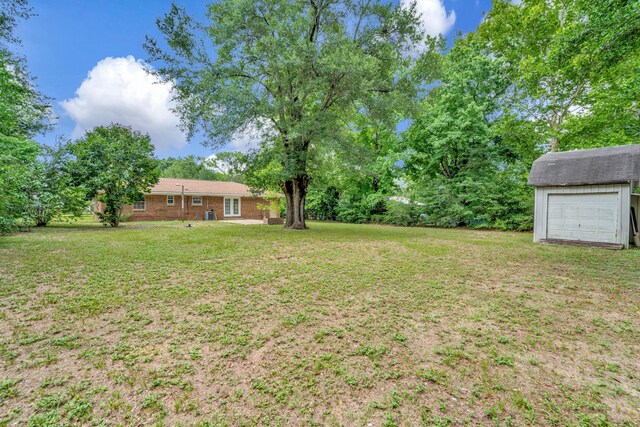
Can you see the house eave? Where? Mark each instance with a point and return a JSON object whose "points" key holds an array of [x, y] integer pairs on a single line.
{"points": [[186, 193]]}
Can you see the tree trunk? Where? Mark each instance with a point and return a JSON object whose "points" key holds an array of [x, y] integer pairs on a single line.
{"points": [[377, 147], [554, 144], [115, 221], [295, 192]]}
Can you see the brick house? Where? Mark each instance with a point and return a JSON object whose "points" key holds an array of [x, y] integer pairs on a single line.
{"points": [[227, 200]]}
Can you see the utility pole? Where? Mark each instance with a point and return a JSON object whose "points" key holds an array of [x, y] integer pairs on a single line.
{"points": [[182, 199]]}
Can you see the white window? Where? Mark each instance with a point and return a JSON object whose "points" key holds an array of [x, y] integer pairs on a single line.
{"points": [[139, 205], [196, 200], [170, 201], [231, 206]]}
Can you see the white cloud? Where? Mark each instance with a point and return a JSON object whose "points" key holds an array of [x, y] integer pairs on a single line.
{"points": [[434, 16], [120, 90]]}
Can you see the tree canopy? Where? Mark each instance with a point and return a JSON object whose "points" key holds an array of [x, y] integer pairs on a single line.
{"points": [[361, 116], [189, 167], [295, 70], [56, 196], [115, 165], [536, 76], [24, 112], [562, 58]]}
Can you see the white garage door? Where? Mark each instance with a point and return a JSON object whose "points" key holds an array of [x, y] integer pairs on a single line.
{"points": [[591, 217]]}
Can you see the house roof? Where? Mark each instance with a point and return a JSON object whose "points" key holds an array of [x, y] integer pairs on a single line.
{"points": [[200, 187], [583, 167]]}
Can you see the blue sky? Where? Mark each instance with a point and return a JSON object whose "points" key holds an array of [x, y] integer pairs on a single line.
{"points": [[86, 56]]}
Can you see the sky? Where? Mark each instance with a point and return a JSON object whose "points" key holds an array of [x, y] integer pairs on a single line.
{"points": [[88, 57]]}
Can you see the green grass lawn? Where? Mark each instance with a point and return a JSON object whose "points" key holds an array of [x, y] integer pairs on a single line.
{"points": [[356, 325]]}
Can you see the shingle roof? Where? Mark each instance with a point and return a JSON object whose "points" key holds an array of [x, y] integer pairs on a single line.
{"points": [[583, 167], [200, 187]]}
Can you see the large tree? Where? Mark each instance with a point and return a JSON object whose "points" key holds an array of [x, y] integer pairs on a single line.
{"points": [[452, 132], [456, 156], [558, 53], [10, 12], [613, 116], [116, 165], [188, 167], [231, 164], [294, 70], [24, 112]]}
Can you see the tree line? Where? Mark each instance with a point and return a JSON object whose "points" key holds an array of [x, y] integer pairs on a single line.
{"points": [[366, 118], [112, 164], [362, 116]]}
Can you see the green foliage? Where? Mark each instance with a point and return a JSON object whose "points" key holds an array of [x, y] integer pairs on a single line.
{"points": [[56, 197], [10, 12], [613, 114], [296, 72], [360, 208], [452, 135], [461, 167], [406, 213], [565, 64], [537, 76], [24, 112], [274, 202], [188, 167], [325, 84], [351, 183], [322, 203], [116, 165], [260, 169], [233, 164], [18, 166], [494, 200]]}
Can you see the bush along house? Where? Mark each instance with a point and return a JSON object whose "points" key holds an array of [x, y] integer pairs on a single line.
{"points": [[203, 200]]}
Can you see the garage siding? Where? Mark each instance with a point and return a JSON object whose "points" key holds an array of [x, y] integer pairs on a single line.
{"points": [[635, 202], [622, 191]]}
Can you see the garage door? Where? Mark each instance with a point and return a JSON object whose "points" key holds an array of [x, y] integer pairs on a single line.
{"points": [[591, 217]]}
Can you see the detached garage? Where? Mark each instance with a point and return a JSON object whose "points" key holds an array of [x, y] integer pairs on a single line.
{"points": [[587, 197]]}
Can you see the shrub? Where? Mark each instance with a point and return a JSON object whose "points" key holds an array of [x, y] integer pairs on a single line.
{"points": [[410, 213], [497, 201], [18, 165], [360, 209], [322, 204]]}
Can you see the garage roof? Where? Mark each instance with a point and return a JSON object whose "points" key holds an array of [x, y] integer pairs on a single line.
{"points": [[583, 167]]}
